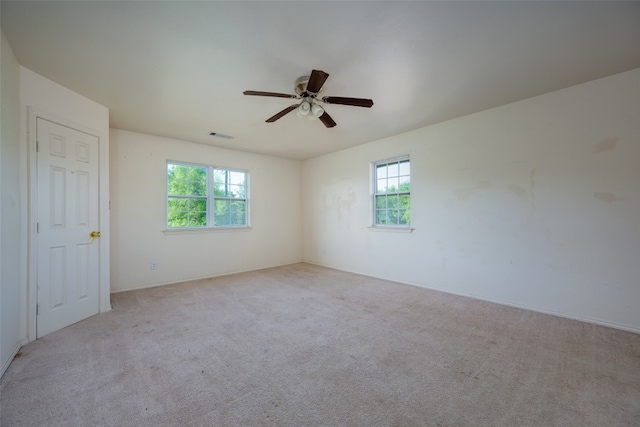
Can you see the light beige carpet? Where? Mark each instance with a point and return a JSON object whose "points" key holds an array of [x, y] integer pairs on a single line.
{"points": [[303, 345]]}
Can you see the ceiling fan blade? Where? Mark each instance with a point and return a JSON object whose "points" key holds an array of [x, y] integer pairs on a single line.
{"points": [[316, 80], [282, 113], [327, 120], [277, 95], [356, 102]]}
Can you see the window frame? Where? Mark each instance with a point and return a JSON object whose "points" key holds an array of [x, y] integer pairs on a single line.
{"points": [[375, 194], [210, 199]]}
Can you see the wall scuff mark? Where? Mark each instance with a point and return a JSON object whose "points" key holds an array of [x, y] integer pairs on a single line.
{"points": [[518, 191], [606, 145], [608, 197], [466, 193]]}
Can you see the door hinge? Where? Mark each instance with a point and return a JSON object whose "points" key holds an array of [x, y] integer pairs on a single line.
{"points": [[37, 227], [37, 146], [37, 309]]}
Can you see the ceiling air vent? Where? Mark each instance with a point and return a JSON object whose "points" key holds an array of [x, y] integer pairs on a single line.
{"points": [[221, 135]]}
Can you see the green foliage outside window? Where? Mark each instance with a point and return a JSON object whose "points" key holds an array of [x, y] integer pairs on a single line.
{"points": [[187, 196], [189, 201], [394, 208], [392, 199], [229, 189]]}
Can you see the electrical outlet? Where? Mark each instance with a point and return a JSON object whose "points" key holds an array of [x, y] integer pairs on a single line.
{"points": [[154, 266]]}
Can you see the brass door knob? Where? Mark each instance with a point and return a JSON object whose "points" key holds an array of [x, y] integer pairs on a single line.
{"points": [[93, 235]]}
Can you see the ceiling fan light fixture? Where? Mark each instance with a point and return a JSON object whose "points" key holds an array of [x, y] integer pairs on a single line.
{"points": [[304, 109], [316, 111]]}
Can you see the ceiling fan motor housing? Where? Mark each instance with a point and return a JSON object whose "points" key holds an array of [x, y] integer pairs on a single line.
{"points": [[301, 85], [301, 88]]}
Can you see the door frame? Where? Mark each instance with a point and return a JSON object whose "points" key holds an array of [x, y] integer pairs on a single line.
{"points": [[103, 215]]}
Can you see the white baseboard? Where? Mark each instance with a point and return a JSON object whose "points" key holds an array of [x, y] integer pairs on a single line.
{"points": [[14, 351], [192, 279], [585, 319]]}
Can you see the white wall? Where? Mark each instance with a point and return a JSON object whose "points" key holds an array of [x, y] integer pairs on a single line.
{"points": [[58, 102], [10, 212], [138, 214], [533, 204]]}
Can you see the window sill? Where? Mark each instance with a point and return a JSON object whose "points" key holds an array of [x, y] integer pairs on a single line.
{"points": [[172, 231], [390, 229]]}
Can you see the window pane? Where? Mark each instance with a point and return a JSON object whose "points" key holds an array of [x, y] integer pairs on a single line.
{"points": [[176, 179], [236, 191], [405, 168], [229, 183], [219, 190], [381, 217], [197, 219], [187, 212], [392, 217], [381, 171], [197, 188], [177, 212], [199, 205], [241, 192], [197, 174], [220, 182], [178, 204], [392, 201], [405, 217], [177, 219], [381, 202], [186, 180], [221, 214], [237, 214], [404, 201], [236, 178], [219, 176], [381, 186], [392, 184], [393, 169], [405, 184], [176, 187]]}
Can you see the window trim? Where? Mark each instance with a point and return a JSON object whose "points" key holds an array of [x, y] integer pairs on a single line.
{"points": [[397, 228], [199, 230], [210, 227]]}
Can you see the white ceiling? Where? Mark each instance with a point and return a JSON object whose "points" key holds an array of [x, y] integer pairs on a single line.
{"points": [[178, 69]]}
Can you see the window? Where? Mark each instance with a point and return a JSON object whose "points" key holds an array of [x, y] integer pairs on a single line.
{"points": [[392, 192], [205, 196], [230, 198]]}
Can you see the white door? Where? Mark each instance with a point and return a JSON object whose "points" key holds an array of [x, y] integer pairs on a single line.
{"points": [[67, 217]]}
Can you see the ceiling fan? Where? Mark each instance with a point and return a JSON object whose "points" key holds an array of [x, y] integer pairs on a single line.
{"points": [[307, 89]]}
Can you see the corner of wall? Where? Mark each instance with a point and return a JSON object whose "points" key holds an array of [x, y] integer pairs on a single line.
{"points": [[11, 277]]}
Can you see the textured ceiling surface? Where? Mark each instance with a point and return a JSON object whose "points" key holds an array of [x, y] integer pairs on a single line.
{"points": [[178, 69]]}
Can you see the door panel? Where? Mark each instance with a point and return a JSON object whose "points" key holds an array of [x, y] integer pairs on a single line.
{"points": [[67, 213]]}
